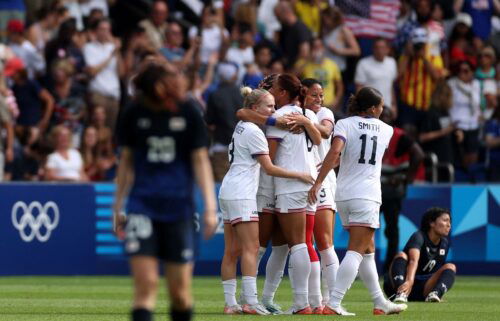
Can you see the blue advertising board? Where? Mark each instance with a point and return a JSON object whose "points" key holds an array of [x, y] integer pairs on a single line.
{"points": [[66, 229]]}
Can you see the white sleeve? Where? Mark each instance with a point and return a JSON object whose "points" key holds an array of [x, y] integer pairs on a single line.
{"points": [[340, 130], [52, 161], [312, 116], [257, 143], [394, 69], [360, 76], [325, 114], [275, 133], [193, 31]]}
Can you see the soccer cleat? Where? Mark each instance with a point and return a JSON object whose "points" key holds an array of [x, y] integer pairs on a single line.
{"points": [[433, 297], [233, 309], [401, 298], [257, 309], [327, 310], [389, 308], [272, 307], [306, 310], [317, 310]]}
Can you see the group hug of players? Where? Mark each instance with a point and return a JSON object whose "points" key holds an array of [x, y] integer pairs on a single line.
{"points": [[281, 188]]}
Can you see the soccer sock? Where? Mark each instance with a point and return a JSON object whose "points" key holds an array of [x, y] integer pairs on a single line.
{"points": [[274, 271], [262, 251], [140, 314], [398, 272], [249, 289], [315, 285], [330, 266], [325, 292], [348, 270], [300, 274], [445, 282], [369, 275], [229, 287], [290, 273], [184, 315]]}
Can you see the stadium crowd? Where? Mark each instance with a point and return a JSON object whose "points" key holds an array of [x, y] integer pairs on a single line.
{"points": [[66, 68]]}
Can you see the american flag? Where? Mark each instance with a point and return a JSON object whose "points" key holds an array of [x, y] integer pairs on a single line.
{"points": [[371, 18]]}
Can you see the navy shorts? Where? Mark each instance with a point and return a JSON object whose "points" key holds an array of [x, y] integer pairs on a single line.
{"points": [[168, 241], [417, 291]]}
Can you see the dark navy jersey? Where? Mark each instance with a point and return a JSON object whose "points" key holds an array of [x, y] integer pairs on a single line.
{"points": [[432, 256], [161, 144]]}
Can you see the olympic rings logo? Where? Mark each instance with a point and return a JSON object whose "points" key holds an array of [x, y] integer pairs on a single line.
{"points": [[36, 217]]}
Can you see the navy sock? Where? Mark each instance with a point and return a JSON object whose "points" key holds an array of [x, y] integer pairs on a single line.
{"points": [[181, 315], [445, 282], [398, 272], [142, 315]]}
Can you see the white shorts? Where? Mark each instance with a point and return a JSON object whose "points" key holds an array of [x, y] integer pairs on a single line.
{"points": [[265, 204], [325, 200], [236, 211], [359, 212], [294, 203]]}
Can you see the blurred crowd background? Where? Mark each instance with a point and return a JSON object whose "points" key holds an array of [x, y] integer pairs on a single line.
{"points": [[66, 68]]}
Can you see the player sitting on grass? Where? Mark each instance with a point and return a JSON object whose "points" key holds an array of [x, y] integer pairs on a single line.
{"points": [[419, 272]]}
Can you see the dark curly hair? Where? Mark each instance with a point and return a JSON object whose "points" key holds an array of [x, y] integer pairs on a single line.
{"points": [[431, 215]]}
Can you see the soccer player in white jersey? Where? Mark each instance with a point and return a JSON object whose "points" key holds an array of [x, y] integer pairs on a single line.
{"points": [[323, 220], [248, 151], [362, 140], [294, 152]]}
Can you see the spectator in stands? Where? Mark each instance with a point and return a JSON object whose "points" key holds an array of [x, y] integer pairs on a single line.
{"points": [[69, 98], [417, 73], [43, 29], [197, 85], [493, 145], [104, 133], [173, 50], [263, 57], [461, 41], [277, 67], [294, 36], [481, 12], [35, 103], [64, 45], [214, 36], [379, 71], [309, 12], [486, 74], [319, 66], [466, 112], [338, 38], [267, 20], [221, 117], [33, 61], [156, 25], [65, 164], [246, 13], [104, 66], [96, 158], [242, 53], [399, 168], [438, 134], [11, 9], [7, 153]]}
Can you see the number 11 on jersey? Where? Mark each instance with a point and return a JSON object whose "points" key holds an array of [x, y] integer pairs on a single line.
{"points": [[362, 160]]}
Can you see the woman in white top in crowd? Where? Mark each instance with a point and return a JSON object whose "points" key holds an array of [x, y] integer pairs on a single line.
{"points": [[248, 151], [362, 140], [65, 164]]}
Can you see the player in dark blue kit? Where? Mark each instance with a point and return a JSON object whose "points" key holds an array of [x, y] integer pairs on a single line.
{"points": [[419, 272], [163, 152]]}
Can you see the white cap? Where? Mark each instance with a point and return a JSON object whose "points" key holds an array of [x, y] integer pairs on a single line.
{"points": [[464, 18], [419, 35]]}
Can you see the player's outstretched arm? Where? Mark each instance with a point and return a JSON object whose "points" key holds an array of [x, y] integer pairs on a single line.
{"points": [[272, 170], [330, 161], [411, 270], [246, 114], [124, 179], [204, 178]]}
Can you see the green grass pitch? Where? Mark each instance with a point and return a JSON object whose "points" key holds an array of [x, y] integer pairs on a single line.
{"points": [[108, 298]]}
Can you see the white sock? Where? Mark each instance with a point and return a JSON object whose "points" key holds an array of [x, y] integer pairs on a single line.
{"points": [[274, 271], [314, 294], [325, 292], [262, 251], [299, 257], [249, 289], [330, 266], [229, 287], [369, 275], [348, 270], [290, 273]]}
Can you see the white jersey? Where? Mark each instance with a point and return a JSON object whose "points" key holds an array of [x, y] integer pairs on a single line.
{"points": [[293, 153], [242, 179], [323, 148], [266, 184], [366, 140]]}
